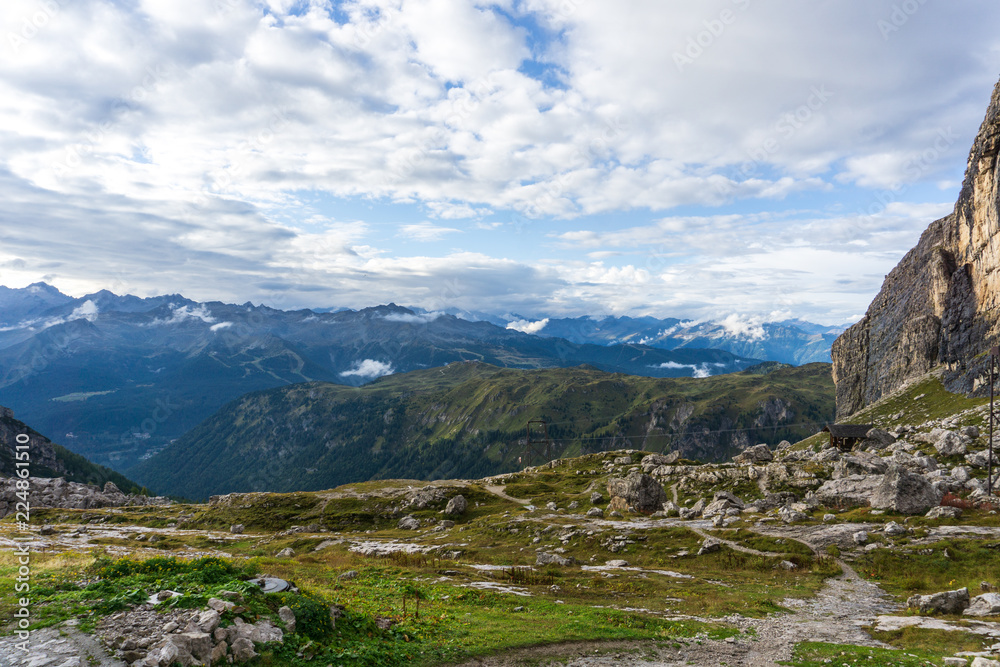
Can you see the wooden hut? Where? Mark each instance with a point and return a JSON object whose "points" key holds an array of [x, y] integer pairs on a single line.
{"points": [[845, 436]]}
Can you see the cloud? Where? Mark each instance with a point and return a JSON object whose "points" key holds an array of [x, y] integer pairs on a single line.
{"points": [[369, 369], [697, 371], [426, 231], [183, 313], [413, 318], [220, 325], [85, 311], [525, 326]]}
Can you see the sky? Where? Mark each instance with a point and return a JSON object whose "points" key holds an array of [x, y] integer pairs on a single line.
{"points": [[704, 159]]}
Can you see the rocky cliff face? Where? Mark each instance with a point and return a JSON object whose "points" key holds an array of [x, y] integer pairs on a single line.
{"points": [[941, 304]]}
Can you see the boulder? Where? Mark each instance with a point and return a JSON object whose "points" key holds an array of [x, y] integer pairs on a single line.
{"points": [[753, 455], [208, 621], [944, 512], [638, 490], [860, 537], [287, 617], [946, 602], [878, 438], [616, 563], [980, 661], [543, 558], [710, 545], [987, 604], [408, 522], [595, 513], [852, 491], [905, 492], [950, 443], [970, 432], [287, 552], [243, 650], [893, 529], [670, 508], [595, 498], [456, 506], [236, 529], [652, 461]]}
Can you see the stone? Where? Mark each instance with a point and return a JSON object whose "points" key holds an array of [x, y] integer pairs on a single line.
{"points": [[789, 515], [955, 662], [208, 621], [616, 563], [350, 574], [670, 508], [787, 565], [860, 537], [551, 506], [970, 432], [652, 461], [878, 438], [755, 455], [595, 498], [852, 491], [384, 623], [638, 490], [456, 506], [199, 644], [945, 602], [243, 650], [287, 552], [287, 617], [236, 529], [49, 530], [827, 518], [980, 661], [710, 545], [595, 513], [893, 529], [543, 558], [220, 634], [687, 513], [170, 627], [905, 492], [220, 605], [950, 443], [219, 652], [408, 522], [616, 515], [987, 604], [944, 512]]}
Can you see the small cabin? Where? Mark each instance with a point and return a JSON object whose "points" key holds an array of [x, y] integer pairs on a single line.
{"points": [[845, 436]]}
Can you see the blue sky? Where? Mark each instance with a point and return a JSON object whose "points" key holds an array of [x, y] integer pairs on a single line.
{"points": [[701, 159]]}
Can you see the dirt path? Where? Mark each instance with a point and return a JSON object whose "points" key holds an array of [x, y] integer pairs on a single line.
{"points": [[498, 491]]}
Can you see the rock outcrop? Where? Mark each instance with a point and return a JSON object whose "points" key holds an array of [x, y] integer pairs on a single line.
{"points": [[638, 490], [941, 304], [57, 492]]}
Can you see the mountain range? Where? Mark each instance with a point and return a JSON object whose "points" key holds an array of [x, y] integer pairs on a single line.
{"points": [[116, 378], [470, 419]]}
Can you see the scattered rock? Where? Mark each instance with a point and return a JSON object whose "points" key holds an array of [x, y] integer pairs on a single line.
{"points": [[638, 490], [287, 552], [544, 558], [236, 529], [892, 529], [955, 662], [950, 443], [710, 545], [287, 617], [408, 522], [243, 650], [595, 513], [350, 574], [987, 604], [787, 565], [49, 530], [456, 506], [595, 498], [878, 438], [860, 537], [616, 563], [754, 455], [946, 602], [944, 512], [551, 506], [905, 492]]}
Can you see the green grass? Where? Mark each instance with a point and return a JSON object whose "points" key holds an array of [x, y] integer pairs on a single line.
{"points": [[817, 654], [904, 573], [945, 642]]}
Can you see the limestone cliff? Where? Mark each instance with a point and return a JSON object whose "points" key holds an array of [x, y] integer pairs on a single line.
{"points": [[939, 306]]}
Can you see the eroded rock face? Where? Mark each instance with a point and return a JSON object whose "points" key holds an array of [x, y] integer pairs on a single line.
{"points": [[941, 303], [946, 602]]}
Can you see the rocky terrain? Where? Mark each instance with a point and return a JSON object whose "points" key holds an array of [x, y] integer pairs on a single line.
{"points": [[940, 305], [791, 554]]}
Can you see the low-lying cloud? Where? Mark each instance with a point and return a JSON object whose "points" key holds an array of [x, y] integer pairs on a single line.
{"points": [[369, 369]]}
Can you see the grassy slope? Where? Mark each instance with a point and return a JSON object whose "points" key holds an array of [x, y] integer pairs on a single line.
{"points": [[468, 420]]}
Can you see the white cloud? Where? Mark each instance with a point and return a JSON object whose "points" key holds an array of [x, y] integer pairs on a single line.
{"points": [[369, 369], [528, 327], [183, 313], [85, 311], [426, 231], [413, 318], [220, 325]]}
